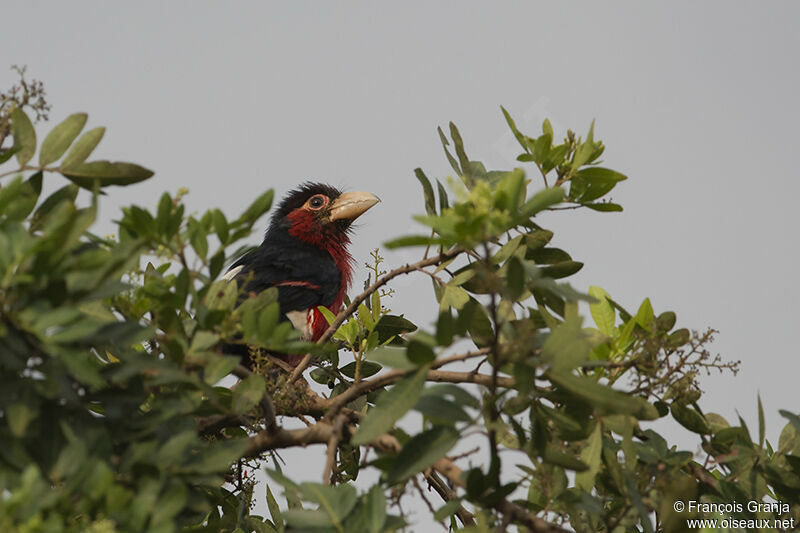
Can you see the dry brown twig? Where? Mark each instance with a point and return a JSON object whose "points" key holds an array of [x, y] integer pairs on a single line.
{"points": [[333, 445]]}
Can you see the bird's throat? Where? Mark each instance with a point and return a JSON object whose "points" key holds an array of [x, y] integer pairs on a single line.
{"points": [[330, 238]]}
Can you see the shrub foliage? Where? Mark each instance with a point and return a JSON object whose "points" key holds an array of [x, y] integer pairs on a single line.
{"points": [[117, 412]]}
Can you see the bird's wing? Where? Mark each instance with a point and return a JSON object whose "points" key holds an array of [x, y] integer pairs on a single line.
{"points": [[305, 278]]}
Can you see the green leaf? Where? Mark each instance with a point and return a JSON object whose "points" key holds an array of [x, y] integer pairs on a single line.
{"points": [[68, 193], [393, 357], [442, 409], [219, 456], [370, 514], [591, 183], [414, 240], [365, 317], [24, 135], [638, 504], [507, 250], [510, 191], [274, 510], [368, 368], [82, 149], [591, 454], [453, 296], [666, 321], [716, 422], [584, 150], [220, 225], [542, 200], [444, 328], [198, 238], [260, 206], [448, 509], [548, 255], [8, 153], [555, 157], [678, 338], [306, 519], [106, 173], [60, 137], [19, 416], [392, 326], [547, 128], [450, 158], [567, 346], [421, 452], [604, 207], [792, 418], [602, 312], [603, 397], [19, 197], [176, 448], [517, 134], [561, 270], [248, 393], [430, 200], [443, 200], [541, 148], [219, 367], [222, 295], [689, 418], [203, 340], [458, 143], [336, 501], [458, 394], [169, 504], [390, 406], [557, 456], [645, 316], [419, 352]]}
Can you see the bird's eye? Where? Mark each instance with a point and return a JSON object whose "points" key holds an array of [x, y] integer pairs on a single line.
{"points": [[317, 201]]}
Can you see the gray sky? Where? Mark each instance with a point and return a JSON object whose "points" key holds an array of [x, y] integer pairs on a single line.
{"points": [[696, 102]]}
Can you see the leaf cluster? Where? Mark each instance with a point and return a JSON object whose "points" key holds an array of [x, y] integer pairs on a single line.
{"points": [[118, 413]]}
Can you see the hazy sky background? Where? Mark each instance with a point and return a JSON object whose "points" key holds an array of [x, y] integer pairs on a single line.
{"points": [[696, 102]]}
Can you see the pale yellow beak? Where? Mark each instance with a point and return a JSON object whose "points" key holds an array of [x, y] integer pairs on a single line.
{"points": [[351, 205]]}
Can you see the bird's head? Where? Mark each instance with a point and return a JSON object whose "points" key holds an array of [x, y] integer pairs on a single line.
{"points": [[321, 215]]}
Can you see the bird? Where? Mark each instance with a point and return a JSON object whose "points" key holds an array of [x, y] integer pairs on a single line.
{"points": [[304, 255]]}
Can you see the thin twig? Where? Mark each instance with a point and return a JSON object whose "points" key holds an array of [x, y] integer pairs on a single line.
{"points": [[333, 445], [436, 483]]}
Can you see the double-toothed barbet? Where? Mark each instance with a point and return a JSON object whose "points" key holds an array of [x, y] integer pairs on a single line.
{"points": [[304, 254]]}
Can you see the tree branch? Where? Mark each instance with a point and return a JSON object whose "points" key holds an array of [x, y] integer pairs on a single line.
{"points": [[367, 386], [322, 432]]}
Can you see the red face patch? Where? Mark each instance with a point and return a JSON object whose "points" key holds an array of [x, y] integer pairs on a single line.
{"points": [[307, 226]]}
